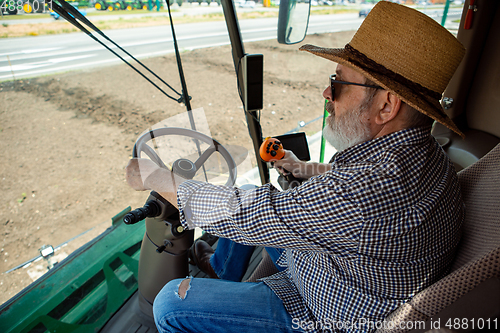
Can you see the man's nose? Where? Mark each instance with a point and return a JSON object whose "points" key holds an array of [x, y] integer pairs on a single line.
{"points": [[327, 93]]}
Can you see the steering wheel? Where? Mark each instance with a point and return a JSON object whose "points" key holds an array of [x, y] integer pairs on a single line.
{"points": [[183, 166]]}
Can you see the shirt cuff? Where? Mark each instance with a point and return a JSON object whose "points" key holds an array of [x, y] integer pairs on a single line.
{"points": [[184, 193]]}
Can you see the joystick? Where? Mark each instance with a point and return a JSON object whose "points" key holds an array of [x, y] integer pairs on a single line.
{"points": [[271, 150]]}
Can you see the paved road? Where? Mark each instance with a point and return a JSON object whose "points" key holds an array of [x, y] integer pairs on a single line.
{"points": [[32, 56], [42, 55]]}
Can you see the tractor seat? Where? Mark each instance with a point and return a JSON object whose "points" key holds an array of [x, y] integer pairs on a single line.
{"points": [[472, 288]]}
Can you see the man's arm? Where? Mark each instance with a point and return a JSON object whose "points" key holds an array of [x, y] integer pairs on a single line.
{"points": [[143, 174], [313, 216], [262, 216], [300, 169]]}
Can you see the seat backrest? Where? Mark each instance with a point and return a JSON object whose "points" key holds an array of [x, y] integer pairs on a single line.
{"points": [[478, 254], [266, 268]]}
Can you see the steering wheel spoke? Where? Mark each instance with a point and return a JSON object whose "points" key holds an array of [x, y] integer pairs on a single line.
{"points": [[204, 157], [214, 146], [152, 155]]}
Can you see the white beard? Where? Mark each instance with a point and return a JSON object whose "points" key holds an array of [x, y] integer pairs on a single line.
{"points": [[348, 130]]}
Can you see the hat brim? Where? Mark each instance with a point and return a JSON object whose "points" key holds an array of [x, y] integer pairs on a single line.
{"points": [[422, 102]]}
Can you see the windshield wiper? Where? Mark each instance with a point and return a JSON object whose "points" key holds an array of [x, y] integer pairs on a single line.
{"points": [[71, 14]]}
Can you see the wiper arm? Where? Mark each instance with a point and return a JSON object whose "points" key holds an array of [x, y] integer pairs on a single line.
{"points": [[71, 14]]}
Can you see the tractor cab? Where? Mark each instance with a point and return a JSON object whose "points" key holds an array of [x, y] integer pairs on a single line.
{"points": [[109, 284]]}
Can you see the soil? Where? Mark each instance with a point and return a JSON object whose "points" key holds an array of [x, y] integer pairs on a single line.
{"points": [[65, 139]]}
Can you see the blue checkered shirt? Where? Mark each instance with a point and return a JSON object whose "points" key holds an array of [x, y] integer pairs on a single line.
{"points": [[360, 240]]}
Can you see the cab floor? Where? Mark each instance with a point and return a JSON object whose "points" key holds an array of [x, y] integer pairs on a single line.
{"points": [[130, 319]]}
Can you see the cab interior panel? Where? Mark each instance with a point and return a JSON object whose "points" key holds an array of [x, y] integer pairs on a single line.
{"points": [[475, 106]]}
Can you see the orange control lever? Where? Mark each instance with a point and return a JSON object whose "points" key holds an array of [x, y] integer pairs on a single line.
{"points": [[271, 150]]}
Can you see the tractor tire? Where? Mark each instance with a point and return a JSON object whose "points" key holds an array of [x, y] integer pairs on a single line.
{"points": [[110, 8], [129, 7], [12, 12], [98, 6]]}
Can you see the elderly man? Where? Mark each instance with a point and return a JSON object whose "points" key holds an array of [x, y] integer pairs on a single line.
{"points": [[365, 232]]}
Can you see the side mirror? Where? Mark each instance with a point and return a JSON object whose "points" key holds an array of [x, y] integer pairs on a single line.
{"points": [[293, 19]]}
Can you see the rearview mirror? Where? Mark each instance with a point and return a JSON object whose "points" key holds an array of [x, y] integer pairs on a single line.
{"points": [[293, 19]]}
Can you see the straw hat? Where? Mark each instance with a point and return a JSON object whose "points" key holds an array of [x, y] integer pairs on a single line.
{"points": [[405, 52]]}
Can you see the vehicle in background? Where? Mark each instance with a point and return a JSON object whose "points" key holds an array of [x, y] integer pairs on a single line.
{"points": [[246, 4], [120, 5], [363, 12]]}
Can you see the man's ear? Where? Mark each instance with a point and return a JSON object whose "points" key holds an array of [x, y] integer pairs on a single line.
{"points": [[389, 107]]}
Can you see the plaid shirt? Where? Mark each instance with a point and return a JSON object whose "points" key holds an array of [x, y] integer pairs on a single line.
{"points": [[360, 240]]}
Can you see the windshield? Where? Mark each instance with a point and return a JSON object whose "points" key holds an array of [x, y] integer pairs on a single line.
{"points": [[66, 137]]}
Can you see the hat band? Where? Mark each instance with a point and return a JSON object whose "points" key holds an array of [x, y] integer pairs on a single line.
{"points": [[363, 61]]}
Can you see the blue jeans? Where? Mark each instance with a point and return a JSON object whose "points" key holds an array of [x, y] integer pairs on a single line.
{"points": [[210, 305], [230, 260]]}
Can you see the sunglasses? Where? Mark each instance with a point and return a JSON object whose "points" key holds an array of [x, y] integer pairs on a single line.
{"points": [[334, 81]]}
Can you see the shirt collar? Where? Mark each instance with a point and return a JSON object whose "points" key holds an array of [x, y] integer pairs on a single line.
{"points": [[407, 137]]}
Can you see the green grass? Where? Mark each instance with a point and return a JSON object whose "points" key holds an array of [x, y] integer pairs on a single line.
{"points": [[330, 11], [25, 16]]}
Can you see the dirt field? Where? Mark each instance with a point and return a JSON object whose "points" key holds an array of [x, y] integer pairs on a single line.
{"points": [[65, 139]]}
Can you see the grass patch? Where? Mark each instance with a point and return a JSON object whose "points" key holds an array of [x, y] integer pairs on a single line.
{"points": [[22, 30], [330, 11], [25, 17]]}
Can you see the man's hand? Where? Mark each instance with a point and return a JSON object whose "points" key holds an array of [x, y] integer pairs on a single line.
{"points": [[143, 174], [137, 171], [299, 169], [290, 164]]}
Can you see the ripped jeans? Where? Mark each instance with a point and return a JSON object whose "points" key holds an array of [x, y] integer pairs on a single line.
{"points": [[210, 305]]}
